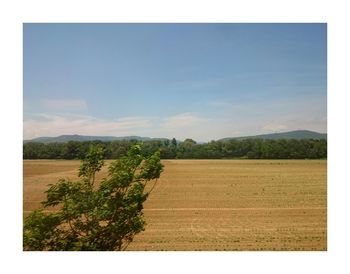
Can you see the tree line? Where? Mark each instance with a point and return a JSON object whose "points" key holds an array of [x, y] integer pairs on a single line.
{"points": [[188, 149]]}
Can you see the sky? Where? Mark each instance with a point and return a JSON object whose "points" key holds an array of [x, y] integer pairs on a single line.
{"points": [[199, 81]]}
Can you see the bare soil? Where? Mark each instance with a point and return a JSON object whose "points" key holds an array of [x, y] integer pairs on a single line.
{"points": [[218, 204]]}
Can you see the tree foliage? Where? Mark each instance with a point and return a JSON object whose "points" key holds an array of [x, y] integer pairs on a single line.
{"points": [[88, 216], [188, 149]]}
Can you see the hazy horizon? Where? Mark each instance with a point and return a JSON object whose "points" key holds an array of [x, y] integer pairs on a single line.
{"points": [[159, 137], [199, 81]]}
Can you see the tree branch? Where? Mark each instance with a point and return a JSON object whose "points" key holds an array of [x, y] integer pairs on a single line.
{"points": [[153, 186]]}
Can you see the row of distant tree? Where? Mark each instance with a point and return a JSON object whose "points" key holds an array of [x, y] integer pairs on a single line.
{"points": [[188, 149]]}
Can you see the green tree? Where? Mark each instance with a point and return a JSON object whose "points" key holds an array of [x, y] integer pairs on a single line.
{"points": [[186, 149], [87, 216], [71, 150], [174, 142]]}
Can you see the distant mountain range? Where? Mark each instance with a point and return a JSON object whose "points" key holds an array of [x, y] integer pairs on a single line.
{"points": [[82, 138], [297, 134]]}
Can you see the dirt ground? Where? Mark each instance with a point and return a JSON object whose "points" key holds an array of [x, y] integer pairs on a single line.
{"points": [[218, 204]]}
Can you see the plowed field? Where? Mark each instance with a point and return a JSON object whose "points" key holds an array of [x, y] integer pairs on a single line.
{"points": [[219, 204]]}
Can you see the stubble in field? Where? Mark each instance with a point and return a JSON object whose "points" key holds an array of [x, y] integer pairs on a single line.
{"points": [[219, 204]]}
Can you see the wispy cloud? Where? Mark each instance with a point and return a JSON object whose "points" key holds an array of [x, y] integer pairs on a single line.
{"points": [[273, 127], [54, 125], [181, 126], [183, 120]]}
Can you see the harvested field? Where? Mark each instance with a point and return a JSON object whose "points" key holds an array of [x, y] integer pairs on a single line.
{"points": [[219, 204]]}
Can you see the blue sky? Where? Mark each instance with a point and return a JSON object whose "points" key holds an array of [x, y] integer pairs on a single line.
{"points": [[200, 81]]}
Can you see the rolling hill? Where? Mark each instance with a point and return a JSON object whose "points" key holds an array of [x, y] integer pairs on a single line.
{"points": [[81, 138], [296, 134]]}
